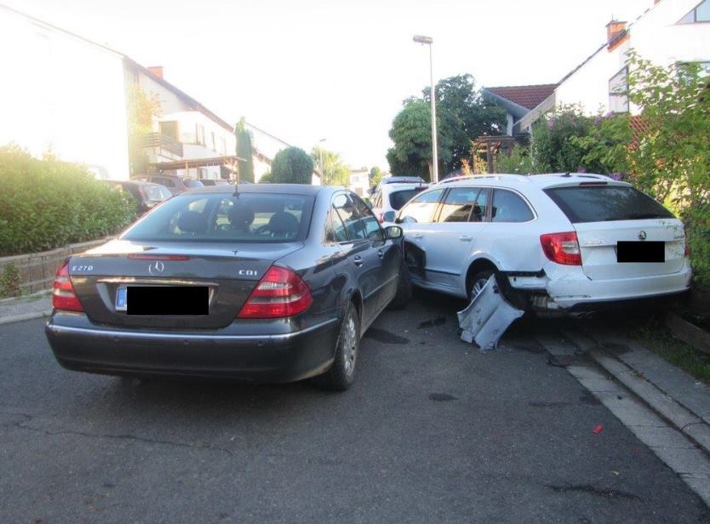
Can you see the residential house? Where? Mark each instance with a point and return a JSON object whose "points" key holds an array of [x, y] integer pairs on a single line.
{"points": [[62, 94], [520, 101], [360, 181], [669, 32], [187, 139], [68, 96]]}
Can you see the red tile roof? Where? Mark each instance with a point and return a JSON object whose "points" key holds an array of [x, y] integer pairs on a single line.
{"points": [[527, 96]]}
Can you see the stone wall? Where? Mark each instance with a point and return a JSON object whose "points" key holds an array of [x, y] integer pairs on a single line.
{"points": [[37, 270]]}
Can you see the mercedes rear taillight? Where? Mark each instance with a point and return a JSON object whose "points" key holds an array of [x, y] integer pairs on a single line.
{"points": [[280, 293], [63, 294], [562, 248]]}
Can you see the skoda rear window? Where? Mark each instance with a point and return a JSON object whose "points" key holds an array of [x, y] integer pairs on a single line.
{"points": [[605, 203], [249, 217]]}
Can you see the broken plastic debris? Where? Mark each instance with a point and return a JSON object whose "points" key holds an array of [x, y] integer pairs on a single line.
{"points": [[598, 429], [487, 317]]}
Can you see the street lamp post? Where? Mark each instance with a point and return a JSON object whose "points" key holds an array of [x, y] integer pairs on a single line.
{"points": [[427, 40], [320, 151]]}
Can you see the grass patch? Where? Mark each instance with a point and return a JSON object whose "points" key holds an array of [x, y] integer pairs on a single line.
{"points": [[656, 337]]}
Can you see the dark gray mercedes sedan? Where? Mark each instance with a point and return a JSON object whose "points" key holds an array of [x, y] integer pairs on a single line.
{"points": [[255, 282]]}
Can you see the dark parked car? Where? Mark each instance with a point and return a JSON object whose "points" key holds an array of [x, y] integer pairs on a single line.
{"points": [[214, 182], [175, 184], [263, 283], [146, 194]]}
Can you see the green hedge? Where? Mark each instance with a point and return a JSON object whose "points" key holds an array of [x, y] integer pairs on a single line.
{"points": [[47, 203]]}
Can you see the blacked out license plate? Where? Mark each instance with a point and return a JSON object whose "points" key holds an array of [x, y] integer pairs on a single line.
{"points": [[163, 300], [648, 251]]}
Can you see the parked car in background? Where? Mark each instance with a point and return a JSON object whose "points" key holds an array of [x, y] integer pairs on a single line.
{"points": [[175, 184], [261, 283], [402, 180], [557, 243], [214, 182], [146, 194], [391, 197]]}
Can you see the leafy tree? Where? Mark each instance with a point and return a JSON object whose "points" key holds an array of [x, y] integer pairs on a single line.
{"points": [[554, 145], [292, 166], [462, 115], [334, 172], [672, 155], [376, 175], [143, 109], [245, 160], [465, 115], [267, 178], [411, 134]]}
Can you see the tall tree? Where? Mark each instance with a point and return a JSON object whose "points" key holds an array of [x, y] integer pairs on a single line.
{"points": [[245, 160], [143, 109], [462, 115], [411, 134], [292, 166]]}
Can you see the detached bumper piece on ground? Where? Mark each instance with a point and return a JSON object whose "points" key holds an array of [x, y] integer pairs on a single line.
{"points": [[487, 317]]}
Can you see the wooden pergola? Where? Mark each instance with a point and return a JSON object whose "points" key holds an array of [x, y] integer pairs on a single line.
{"points": [[490, 146]]}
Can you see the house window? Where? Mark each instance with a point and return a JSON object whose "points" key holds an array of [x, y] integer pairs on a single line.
{"points": [[619, 92], [701, 13], [200, 134], [222, 146], [169, 129], [213, 142]]}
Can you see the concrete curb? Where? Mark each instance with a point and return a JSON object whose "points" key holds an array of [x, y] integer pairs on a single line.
{"points": [[28, 307], [25, 316], [675, 396]]}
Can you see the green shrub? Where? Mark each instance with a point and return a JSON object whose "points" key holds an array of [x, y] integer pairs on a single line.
{"points": [[47, 203], [10, 281], [292, 166], [519, 161]]}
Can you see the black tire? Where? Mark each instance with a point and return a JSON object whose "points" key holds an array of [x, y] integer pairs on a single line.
{"points": [[479, 279], [477, 282], [341, 374], [404, 289]]}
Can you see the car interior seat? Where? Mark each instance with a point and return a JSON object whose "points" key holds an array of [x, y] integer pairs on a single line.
{"points": [[192, 222], [283, 224], [241, 217]]}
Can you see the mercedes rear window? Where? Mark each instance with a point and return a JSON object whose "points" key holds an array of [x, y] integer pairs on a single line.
{"points": [[605, 203], [216, 217]]}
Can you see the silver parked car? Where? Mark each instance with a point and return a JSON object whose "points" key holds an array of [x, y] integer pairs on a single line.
{"points": [[558, 243]]}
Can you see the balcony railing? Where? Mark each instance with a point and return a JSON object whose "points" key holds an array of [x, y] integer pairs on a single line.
{"points": [[163, 142]]}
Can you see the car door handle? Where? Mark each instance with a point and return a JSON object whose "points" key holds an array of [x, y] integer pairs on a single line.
{"points": [[358, 261], [465, 238], [380, 253]]}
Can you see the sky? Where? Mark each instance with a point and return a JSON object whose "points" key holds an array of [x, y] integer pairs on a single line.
{"points": [[338, 70]]}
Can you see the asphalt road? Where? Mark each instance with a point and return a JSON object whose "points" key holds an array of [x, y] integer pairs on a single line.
{"points": [[433, 431]]}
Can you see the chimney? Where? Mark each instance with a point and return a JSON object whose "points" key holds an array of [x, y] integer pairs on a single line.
{"points": [[157, 71], [615, 33]]}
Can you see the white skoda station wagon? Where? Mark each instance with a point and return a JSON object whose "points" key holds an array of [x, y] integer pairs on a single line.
{"points": [[564, 243]]}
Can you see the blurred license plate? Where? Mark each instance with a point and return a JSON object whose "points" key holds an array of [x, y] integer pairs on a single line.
{"points": [[163, 300], [649, 251]]}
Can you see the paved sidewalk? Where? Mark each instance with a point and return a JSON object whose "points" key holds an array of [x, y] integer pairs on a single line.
{"points": [[668, 410], [28, 307]]}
